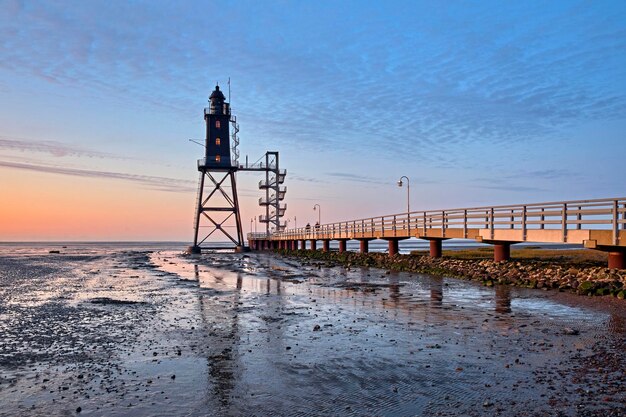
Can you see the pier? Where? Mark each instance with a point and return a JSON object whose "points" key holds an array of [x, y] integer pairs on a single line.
{"points": [[596, 224]]}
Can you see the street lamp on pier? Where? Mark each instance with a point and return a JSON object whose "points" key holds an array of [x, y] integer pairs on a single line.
{"points": [[319, 213], [408, 192]]}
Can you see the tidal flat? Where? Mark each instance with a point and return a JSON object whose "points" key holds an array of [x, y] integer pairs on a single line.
{"points": [[123, 330]]}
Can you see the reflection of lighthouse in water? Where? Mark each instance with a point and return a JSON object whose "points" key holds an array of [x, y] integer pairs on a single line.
{"points": [[223, 326], [232, 371]]}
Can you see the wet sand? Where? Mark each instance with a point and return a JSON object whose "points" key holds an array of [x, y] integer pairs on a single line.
{"points": [[149, 332]]}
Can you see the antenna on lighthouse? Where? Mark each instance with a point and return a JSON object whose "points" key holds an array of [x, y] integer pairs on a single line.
{"points": [[229, 91]]}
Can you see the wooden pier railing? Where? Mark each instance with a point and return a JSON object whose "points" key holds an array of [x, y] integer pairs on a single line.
{"points": [[597, 224]]}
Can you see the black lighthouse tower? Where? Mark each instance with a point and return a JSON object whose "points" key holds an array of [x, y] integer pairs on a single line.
{"points": [[217, 206]]}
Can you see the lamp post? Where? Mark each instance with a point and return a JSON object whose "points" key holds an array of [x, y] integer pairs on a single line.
{"points": [[251, 220], [319, 213], [295, 221], [254, 224], [408, 192]]}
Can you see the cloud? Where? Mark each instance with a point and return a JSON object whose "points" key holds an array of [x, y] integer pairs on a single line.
{"points": [[391, 83], [356, 178], [301, 178], [513, 181], [150, 182], [53, 148], [512, 187], [537, 174]]}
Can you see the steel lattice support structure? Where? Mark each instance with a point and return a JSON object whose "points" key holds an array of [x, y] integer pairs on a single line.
{"points": [[217, 208]]}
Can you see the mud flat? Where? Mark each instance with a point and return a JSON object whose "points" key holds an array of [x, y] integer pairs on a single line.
{"points": [[150, 332]]}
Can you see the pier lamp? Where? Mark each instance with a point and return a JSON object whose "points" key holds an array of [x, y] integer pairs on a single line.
{"points": [[319, 213], [251, 220], [254, 224], [408, 192]]}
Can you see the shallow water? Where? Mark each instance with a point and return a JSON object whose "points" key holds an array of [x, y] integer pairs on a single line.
{"points": [[256, 334]]}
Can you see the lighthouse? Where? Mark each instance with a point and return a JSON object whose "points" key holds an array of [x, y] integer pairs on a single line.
{"points": [[217, 213], [217, 120]]}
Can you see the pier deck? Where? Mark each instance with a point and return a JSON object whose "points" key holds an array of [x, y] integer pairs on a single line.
{"points": [[596, 224]]}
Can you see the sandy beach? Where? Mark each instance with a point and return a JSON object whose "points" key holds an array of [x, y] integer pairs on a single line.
{"points": [[124, 330]]}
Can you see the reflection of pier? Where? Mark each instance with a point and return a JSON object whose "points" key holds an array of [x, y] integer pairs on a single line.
{"points": [[415, 303], [503, 299], [436, 292]]}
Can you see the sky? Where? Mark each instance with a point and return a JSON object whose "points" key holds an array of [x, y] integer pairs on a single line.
{"points": [[477, 102]]}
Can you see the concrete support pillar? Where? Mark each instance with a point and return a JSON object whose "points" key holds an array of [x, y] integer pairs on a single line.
{"points": [[303, 244], [342, 245], [435, 248], [617, 260], [275, 244], [393, 247], [501, 251], [313, 244], [325, 245], [364, 245]]}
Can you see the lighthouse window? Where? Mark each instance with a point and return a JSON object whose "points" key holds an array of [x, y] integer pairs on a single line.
{"points": [[218, 125], [218, 142], [217, 158]]}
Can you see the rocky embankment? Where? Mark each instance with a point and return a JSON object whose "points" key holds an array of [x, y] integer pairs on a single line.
{"points": [[563, 276]]}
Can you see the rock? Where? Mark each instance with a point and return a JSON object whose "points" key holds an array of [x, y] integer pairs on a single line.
{"points": [[317, 328], [487, 403], [585, 287], [570, 332], [78, 409], [602, 291]]}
